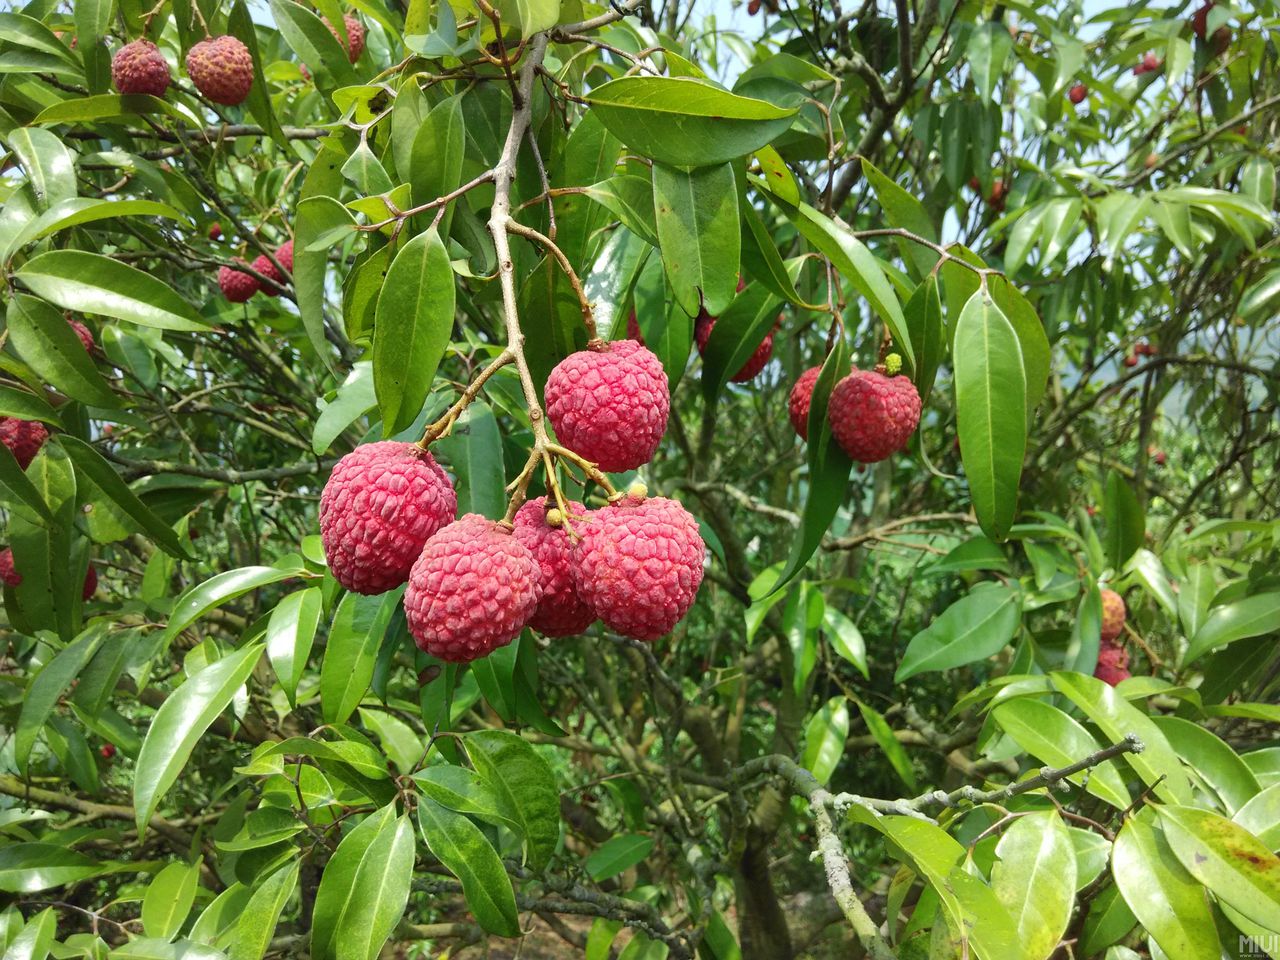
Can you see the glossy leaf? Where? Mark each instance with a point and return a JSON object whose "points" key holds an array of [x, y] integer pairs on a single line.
{"points": [[462, 848], [617, 855], [290, 633], [824, 739], [1035, 879], [168, 900], [1250, 617], [696, 213], [524, 785], [975, 627], [351, 652]]}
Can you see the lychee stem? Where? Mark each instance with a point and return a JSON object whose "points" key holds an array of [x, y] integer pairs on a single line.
{"points": [[445, 424], [588, 320]]}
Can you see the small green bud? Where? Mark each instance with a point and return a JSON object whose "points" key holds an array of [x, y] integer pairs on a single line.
{"points": [[893, 364]]}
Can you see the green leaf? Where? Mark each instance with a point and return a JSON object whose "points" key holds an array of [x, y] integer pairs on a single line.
{"points": [[315, 46], [617, 855], [1261, 816], [26, 406], [399, 741], [290, 633], [412, 329], [463, 790], [700, 237], [168, 900], [261, 914], [217, 590], [906, 213], [92, 283], [91, 463], [1167, 901], [883, 735], [989, 47], [181, 721], [32, 867], [829, 468], [1251, 617], [34, 939], [474, 452], [973, 628], [437, 155], [354, 399], [1126, 523], [824, 739], [1157, 764], [47, 164], [630, 199], [991, 413], [737, 333], [364, 888], [317, 217], [351, 652], [240, 25], [532, 16], [1216, 763], [102, 108], [1229, 860], [463, 849], [360, 757], [845, 637], [1058, 740], [525, 786], [78, 211], [46, 687], [923, 316], [1035, 879], [685, 122]]}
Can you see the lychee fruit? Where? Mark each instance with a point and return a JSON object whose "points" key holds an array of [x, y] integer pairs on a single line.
{"points": [[90, 583], [222, 69], [1113, 615], [1158, 455], [1077, 93], [108, 750], [264, 266], [24, 438], [610, 403], [638, 564], [353, 42], [1200, 20], [84, 333], [215, 231], [1149, 63], [755, 363], [1151, 160], [996, 198], [8, 575], [1113, 664], [140, 67], [237, 286], [378, 508], [561, 612], [472, 590], [1131, 361], [799, 400], [633, 328], [873, 416]]}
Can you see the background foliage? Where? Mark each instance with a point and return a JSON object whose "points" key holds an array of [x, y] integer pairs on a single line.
{"points": [[220, 753]]}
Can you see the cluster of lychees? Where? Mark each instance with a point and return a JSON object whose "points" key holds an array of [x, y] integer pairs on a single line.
{"points": [[387, 518], [24, 438], [872, 414], [238, 286], [1113, 658]]}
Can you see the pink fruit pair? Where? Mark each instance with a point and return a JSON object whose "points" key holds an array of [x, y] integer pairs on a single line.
{"points": [[872, 416]]}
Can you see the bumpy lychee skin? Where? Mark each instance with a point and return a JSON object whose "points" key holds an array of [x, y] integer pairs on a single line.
{"points": [[873, 416], [800, 399], [472, 590], [8, 575], [638, 564], [236, 285], [379, 507], [84, 333], [140, 67], [353, 43], [610, 404], [561, 611], [268, 269], [222, 69], [24, 438], [1113, 615], [633, 328], [1113, 664], [755, 363]]}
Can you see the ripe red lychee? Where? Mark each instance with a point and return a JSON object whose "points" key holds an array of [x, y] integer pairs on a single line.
{"points": [[799, 400], [353, 42], [24, 438], [1149, 63], [1200, 20], [1151, 160], [755, 363], [90, 583], [633, 328], [378, 508], [215, 231], [8, 575], [140, 67], [561, 612], [996, 198], [873, 416], [639, 564], [222, 69], [108, 750], [264, 266], [1158, 455], [1131, 361], [610, 403], [84, 333], [1113, 664], [236, 285], [1077, 93], [1113, 614], [472, 590]]}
